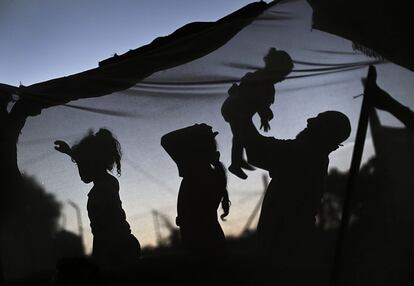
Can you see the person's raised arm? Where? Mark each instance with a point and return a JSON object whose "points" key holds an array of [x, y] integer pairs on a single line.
{"points": [[258, 147], [63, 147], [20, 111], [382, 100], [175, 142]]}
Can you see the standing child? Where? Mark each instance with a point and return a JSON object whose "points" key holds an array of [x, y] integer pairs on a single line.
{"points": [[115, 249], [202, 189], [255, 93]]}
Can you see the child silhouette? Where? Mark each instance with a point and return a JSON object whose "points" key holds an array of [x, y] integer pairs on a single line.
{"points": [[256, 93], [114, 247]]}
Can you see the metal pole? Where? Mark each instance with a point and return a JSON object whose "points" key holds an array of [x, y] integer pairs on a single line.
{"points": [[157, 227], [79, 218], [366, 109]]}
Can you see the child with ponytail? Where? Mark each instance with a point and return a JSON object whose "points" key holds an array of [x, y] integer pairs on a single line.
{"points": [[96, 155], [203, 188]]}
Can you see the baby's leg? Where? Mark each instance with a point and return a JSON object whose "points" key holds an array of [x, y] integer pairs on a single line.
{"points": [[236, 153]]}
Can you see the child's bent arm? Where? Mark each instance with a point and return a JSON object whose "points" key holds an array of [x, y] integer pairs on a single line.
{"points": [[63, 147]]}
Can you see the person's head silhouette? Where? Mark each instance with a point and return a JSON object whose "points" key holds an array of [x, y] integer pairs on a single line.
{"points": [[96, 154], [204, 145], [194, 149], [278, 64], [327, 130]]}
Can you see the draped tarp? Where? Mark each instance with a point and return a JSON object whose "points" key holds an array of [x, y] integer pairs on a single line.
{"points": [[190, 42]]}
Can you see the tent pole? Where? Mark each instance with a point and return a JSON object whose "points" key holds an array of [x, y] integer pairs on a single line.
{"points": [[366, 108]]}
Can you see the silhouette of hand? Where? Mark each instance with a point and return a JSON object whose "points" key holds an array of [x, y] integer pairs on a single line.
{"points": [[62, 147], [265, 125], [266, 115]]}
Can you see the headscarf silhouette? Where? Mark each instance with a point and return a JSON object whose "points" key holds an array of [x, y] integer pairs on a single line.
{"points": [[202, 189]]}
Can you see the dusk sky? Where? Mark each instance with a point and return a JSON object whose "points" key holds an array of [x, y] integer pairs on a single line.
{"points": [[46, 39]]}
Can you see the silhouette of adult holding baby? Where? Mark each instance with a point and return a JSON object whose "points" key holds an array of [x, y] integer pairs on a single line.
{"points": [[298, 169], [115, 249]]}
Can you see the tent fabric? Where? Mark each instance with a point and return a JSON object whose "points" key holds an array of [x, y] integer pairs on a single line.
{"points": [[120, 72], [378, 28]]}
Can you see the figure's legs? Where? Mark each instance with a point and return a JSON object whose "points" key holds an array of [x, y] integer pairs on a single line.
{"points": [[237, 161]]}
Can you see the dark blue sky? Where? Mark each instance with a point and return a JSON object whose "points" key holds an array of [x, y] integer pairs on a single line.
{"points": [[44, 39]]}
